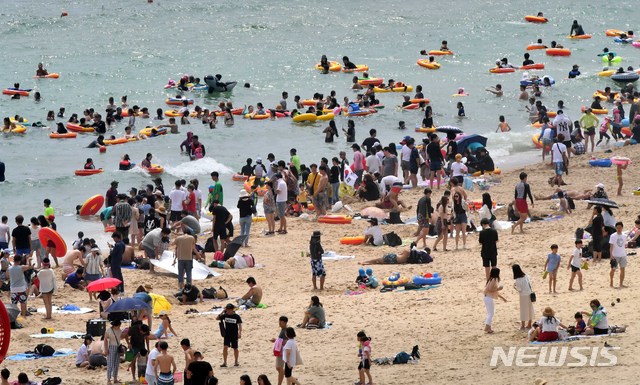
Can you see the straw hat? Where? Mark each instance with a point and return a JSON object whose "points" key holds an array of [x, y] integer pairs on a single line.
{"points": [[548, 312], [148, 287], [161, 210]]}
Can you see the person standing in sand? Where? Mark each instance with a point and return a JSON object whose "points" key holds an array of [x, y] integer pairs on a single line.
{"points": [[522, 191], [110, 350], [522, 285], [320, 198], [618, 254], [278, 346], [165, 365], [491, 292], [185, 344], [231, 324]]}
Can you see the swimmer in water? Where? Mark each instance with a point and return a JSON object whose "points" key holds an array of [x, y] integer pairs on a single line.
{"points": [[89, 164], [41, 71], [527, 60], [576, 29], [348, 64], [503, 126], [444, 47], [497, 90]]}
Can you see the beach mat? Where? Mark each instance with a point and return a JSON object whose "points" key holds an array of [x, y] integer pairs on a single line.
{"points": [[572, 338], [58, 310], [200, 270], [59, 334], [31, 356], [332, 256]]}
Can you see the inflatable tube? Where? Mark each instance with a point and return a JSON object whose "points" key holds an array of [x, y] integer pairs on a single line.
{"points": [[360, 113], [626, 131], [155, 169], [215, 86], [425, 101], [178, 101], [334, 66], [47, 234], [614, 32], [627, 77], [258, 219], [621, 160], [552, 114], [636, 44], [533, 47], [535, 19], [79, 128], [239, 177], [88, 172], [501, 70], [606, 73], [427, 64], [359, 68], [261, 190], [426, 129], [334, 219], [596, 111], [49, 76], [18, 129], [535, 138], [352, 240], [68, 135], [147, 131], [110, 229], [615, 60], [623, 41], [235, 111], [600, 94], [113, 142], [374, 81], [535, 66], [283, 114], [305, 118], [8, 91], [496, 171], [437, 52], [411, 106], [176, 114], [310, 102], [257, 116], [394, 89], [477, 204], [435, 279], [580, 37], [558, 52], [398, 282], [5, 331], [600, 162], [326, 117], [92, 205]]}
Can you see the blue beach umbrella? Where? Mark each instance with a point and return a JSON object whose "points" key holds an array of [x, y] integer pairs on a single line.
{"points": [[127, 304]]}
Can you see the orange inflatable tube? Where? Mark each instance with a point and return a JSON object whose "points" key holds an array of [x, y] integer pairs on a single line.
{"points": [[352, 240], [88, 172], [92, 205], [558, 52], [68, 135], [334, 219], [536, 66], [78, 128], [596, 111], [501, 70], [535, 19], [47, 234]]}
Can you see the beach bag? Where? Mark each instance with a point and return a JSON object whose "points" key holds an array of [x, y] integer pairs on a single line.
{"points": [[402, 358], [52, 381], [394, 218], [208, 246], [532, 295], [468, 184], [223, 331], [44, 350], [392, 239], [579, 233], [209, 293], [218, 256], [277, 347]]}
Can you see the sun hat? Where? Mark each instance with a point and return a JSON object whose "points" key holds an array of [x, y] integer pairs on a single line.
{"points": [[243, 194], [548, 312], [600, 186]]}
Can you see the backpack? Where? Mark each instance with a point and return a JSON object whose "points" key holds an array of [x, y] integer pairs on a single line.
{"points": [[44, 350], [394, 218], [579, 233], [208, 246], [392, 239], [419, 256], [402, 358], [209, 293]]}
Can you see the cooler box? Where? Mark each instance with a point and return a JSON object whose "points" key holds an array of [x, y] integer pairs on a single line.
{"points": [[96, 327]]}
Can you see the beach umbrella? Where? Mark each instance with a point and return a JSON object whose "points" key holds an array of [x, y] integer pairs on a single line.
{"points": [[234, 246], [603, 202], [127, 304], [103, 284], [160, 303], [449, 129], [469, 140]]}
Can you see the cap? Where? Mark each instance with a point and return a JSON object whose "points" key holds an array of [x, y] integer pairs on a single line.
{"points": [[88, 337], [212, 187], [258, 160], [114, 183], [243, 194], [600, 186], [230, 306], [407, 138], [95, 249]]}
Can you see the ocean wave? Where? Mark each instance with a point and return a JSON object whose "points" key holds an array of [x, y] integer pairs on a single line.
{"points": [[198, 167]]}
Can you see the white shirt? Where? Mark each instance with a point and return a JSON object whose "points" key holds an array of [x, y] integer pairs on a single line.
{"points": [[373, 164], [576, 259], [82, 355], [546, 134], [152, 356], [405, 153], [4, 232], [563, 124], [291, 357], [618, 241], [547, 326], [376, 233], [556, 152], [387, 182], [458, 169], [47, 280], [281, 191], [176, 197]]}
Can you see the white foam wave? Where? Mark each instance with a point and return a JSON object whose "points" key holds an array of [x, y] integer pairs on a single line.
{"points": [[205, 165]]}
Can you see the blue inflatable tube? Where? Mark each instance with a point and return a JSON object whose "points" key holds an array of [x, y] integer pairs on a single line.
{"points": [[600, 162], [420, 280]]}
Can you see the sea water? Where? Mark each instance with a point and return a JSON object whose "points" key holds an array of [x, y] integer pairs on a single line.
{"points": [[132, 48]]}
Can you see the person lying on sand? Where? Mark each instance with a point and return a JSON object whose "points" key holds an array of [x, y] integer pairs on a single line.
{"points": [[573, 194], [409, 256]]}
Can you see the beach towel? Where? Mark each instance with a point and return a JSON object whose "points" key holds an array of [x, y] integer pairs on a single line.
{"points": [[423, 288], [200, 270], [31, 356], [59, 310], [572, 338], [332, 256], [59, 334]]}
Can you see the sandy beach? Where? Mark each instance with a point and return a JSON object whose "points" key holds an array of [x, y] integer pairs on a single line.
{"points": [[446, 322]]}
